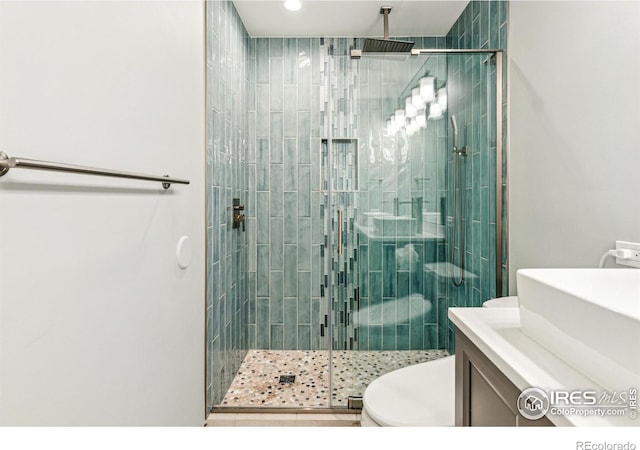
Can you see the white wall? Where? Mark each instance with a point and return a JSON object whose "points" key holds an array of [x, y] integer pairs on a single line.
{"points": [[98, 325], [574, 131]]}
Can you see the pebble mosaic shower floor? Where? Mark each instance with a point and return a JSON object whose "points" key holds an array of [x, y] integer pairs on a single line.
{"points": [[257, 382]]}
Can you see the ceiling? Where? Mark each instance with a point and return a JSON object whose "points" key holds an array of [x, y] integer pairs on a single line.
{"points": [[346, 18]]}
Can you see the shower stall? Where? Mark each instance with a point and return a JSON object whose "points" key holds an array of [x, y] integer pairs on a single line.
{"points": [[367, 216], [409, 176]]}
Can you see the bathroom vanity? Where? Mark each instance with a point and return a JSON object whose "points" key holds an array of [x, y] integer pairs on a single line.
{"points": [[484, 395], [495, 361], [500, 352]]}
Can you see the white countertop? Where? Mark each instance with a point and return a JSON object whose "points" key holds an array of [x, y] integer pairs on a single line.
{"points": [[424, 236], [496, 332]]}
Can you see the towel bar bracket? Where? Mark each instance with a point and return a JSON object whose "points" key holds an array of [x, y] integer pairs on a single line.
{"points": [[3, 169]]}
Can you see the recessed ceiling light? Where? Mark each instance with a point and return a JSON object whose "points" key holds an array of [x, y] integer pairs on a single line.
{"points": [[292, 5]]}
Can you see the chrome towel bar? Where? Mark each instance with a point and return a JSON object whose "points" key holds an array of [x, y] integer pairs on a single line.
{"points": [[7, 163]]}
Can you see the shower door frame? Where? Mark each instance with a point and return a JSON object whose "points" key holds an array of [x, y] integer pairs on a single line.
{"points": [[495, 57]]}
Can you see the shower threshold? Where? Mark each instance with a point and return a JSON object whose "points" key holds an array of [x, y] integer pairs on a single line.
{"points": [[256, 385]]}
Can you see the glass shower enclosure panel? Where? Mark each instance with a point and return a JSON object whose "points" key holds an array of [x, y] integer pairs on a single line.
{"points": [[390, 178]]}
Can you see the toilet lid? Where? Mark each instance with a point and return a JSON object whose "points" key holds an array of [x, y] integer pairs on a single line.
{"points": [[422, 395]]}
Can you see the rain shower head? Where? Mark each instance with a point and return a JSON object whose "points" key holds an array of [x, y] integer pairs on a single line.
{"points": [[386, 45]]}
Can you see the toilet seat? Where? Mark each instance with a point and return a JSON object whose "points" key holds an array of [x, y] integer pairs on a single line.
{"points": [[421, 395]]}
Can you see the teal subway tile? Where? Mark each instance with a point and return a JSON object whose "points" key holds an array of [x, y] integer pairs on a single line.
{"points": [[304, 137], [402, 337], [262, 217], [276, 141], [375, 287], [389, 337], [363, 338], [484, 205], [389, 311], [304, 243], [290, 218], [494, 24], [291, 165], [304, 74], [276, 245], [476, 33], [315, 61], [486, 284], [290, 111], [276, 88], [402, 286], [251, 287], [304, 190], [213, 288], [416, 334], [262, 111], [290, 270], [375, 337], [430, 336], [364, 270], [277, 337], [485, 159], [389, 270], [262, 60], [484, 23], [375, 255], [317, 223], [276, 47], [290, 53], [251, 334], [315, 112], [276, 297], [502, 14], [317, 270], [262, 273], [316, 320], [262, 323], [290, 323], [304, 297], [262, 165], [276, 185], [304, 337], [316, 165]]}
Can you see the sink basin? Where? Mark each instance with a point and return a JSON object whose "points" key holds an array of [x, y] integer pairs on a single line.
{"points": [[391, 226], [590, 318], [369, 216]]}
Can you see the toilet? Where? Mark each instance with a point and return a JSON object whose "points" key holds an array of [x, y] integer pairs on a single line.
{"points": [[421, 395]]}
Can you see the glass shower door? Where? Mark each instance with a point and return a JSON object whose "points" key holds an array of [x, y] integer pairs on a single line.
{"points": [[390, 179]]}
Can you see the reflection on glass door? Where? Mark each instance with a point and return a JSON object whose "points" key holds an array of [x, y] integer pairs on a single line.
{"points": [[389, 174]]}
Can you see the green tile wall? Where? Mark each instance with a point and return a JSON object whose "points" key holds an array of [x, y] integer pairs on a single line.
{"points": [[229, 88], [483, 24]]}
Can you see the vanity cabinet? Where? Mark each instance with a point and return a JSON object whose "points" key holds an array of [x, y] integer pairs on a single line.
{"points": [[484, 395]]}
